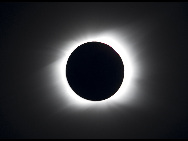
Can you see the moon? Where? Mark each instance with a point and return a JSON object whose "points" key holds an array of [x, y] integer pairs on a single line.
{"points": [[95, 71]]}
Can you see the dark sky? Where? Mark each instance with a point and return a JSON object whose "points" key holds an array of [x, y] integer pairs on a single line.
{"points": [[32, 34]]}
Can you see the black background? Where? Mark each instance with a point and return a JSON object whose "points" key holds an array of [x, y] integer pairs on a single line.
{"points": [[29, 36]]}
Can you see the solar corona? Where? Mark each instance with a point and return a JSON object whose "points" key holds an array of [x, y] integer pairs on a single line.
{"points": [[94, 71]]}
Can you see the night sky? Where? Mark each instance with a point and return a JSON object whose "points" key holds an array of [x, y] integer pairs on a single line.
{"points": [[34, 99]]}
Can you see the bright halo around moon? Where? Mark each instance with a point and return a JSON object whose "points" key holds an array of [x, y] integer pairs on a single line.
{"points": [[71, 97]]}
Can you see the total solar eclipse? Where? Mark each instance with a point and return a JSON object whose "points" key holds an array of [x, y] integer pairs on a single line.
{"points": [[94, 71]]}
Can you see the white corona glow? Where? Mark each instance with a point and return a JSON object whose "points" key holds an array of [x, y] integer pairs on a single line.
{"points": [[65, 90]]}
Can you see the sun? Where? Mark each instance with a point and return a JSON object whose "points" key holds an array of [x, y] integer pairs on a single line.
{"points": [[60, 71]]}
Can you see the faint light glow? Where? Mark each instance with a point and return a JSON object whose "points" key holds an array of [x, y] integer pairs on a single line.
{"points": [[65, 91]]}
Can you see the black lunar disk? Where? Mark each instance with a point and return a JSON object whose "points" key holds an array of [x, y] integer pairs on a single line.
{"points": [[94, 71]]}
